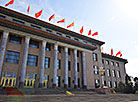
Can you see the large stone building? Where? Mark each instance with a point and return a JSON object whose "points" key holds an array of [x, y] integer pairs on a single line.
{"points": [[34, 53]]}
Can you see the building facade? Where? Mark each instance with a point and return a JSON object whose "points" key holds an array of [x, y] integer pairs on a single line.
{"points": [[34, 53]]}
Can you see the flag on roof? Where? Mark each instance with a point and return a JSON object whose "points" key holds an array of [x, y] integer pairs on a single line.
{"points": [[81, 31], [38, 14], [111, 51], [28, 9], [118, 53], [9, 3], [71, 25], [96, 33], [89, 32], [53, 16], [61, 21]]}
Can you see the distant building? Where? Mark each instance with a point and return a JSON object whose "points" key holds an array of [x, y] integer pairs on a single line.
{"points": [[34, 53]]}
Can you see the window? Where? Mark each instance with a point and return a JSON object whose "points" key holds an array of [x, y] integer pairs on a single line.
{"points": [[58, 64], [97, 83], [108, 72], [36, 27], [59, 49], [58, 81], [113, 73], [117, 64], [68, 37], [69, 51], [85, 42], [69, 65], [109, 84], [78, 53], [104, 83], [94, 45], [115, 84], [96, 70], [78, 67], [47, 62], [107, 62], [76, 39], [49, 31], [112, 63], [17, 21], [12, 57], [32, 60], [118, 74], [69, 81], [103, 61], [1, 16], [48, 47], [15, 39], [94, 57], [34, 44], [58, 34]]}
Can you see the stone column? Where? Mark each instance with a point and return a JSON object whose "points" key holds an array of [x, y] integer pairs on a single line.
{"points": [[55, 66], [84, 70], [24, 63], [2, 49], [75, 70], [42, 64], [66, 68]]}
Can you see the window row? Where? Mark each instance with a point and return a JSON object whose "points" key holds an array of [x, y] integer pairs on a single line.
{"points": [[96, 72], [35, 44], [112, 63], [13, 57], [109, 84]]}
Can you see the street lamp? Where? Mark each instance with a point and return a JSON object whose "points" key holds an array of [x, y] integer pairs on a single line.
{"points": [[102, 71]]}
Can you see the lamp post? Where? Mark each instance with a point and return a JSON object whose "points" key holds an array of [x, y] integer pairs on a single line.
{"points": [[102, 71]]}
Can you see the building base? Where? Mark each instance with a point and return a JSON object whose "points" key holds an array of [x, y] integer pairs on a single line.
{"points": [[75, 86], [84, 87], [65, 86], [54, 86], [21, 84], [40, 85]]}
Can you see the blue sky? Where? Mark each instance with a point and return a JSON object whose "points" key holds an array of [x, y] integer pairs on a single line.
{"points": [[115, 20]]}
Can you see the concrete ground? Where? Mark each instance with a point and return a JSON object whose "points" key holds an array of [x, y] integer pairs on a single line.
{"points": [[75, 98]]}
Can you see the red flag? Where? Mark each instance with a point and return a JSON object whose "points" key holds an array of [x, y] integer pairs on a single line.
{"points": [[72, 24], [9, 3], [118, 53], [111, 51], [61, 21], [89, 32], [53, 16], [28, 9], [81, 31], [38, 14], [96, 33], [121, 55]]}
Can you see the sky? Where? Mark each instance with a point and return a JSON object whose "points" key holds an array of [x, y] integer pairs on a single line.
{"points": [[116, 22]]}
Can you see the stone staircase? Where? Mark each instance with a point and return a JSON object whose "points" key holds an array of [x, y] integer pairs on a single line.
{"points": [[40, 91], [12, 91]]}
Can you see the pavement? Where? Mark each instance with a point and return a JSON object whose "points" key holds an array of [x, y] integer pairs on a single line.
{"points": [[75, 98]]}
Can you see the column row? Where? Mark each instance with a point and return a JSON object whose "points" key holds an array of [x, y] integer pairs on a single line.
{"points": [[24, 63]]}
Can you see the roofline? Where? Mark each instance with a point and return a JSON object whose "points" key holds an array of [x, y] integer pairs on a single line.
{"points": [[41, 33], [46, 24], [105, 55]]}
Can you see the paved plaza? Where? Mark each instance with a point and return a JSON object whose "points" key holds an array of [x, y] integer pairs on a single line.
{"points": [[75, 98]]}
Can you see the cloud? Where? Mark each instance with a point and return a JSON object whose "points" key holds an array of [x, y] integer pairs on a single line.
{"points": [[132, 67], [135, 44]]}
